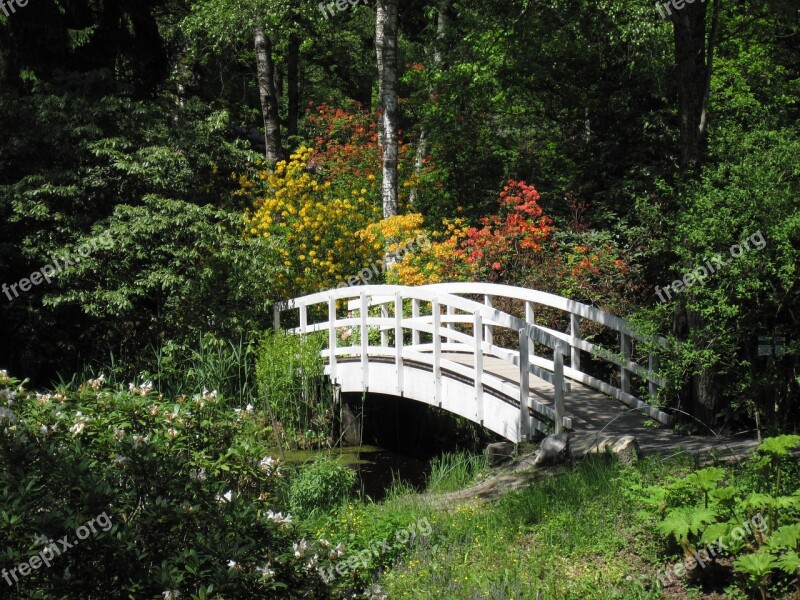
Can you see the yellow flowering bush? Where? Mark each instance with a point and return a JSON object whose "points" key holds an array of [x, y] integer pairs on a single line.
{"points": [[442, 260], [319, 247]]}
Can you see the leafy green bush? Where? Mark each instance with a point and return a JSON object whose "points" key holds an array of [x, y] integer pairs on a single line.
{"points": [[709, 514], [192, 494], [320, 486]]}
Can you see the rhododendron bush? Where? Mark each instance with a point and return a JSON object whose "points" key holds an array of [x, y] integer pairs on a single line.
{"points": [[188, 483]]}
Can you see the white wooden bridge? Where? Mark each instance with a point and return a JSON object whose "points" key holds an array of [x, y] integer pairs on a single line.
{"points": [[449, 345]]}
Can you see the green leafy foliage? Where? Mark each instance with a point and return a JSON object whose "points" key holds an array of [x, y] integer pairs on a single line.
{"points": [[322, 486], [192, 495]]}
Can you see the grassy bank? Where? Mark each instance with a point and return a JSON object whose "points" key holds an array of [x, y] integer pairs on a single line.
{"points": [[599, 530]]}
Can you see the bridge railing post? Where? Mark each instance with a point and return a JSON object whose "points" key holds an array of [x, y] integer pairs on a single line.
{"points": [[364, 342], [624, 374], [524, 385], [415, 315], [530, 316], [558, 381], [332, 337], [652, 367], [575, 332], [437, 351], [303, 318], [398, 340], [276, 317], [488, 330], [477, 332], [384, 331]]}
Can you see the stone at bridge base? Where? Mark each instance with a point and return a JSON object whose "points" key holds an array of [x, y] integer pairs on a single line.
{"points": [[499, 453], [554, 449], [624, 448]]}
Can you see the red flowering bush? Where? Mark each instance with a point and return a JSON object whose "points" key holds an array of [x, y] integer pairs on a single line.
{"points": [[508, 239]]}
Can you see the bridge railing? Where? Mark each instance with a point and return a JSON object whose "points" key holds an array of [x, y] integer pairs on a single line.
{"points": [[453, 324], [578, 312]]}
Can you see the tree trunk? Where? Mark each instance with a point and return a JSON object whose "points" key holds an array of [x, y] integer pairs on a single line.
{"points": [[694, 63], [269, 99], [443, 20], [386, 47], [293, 77]]}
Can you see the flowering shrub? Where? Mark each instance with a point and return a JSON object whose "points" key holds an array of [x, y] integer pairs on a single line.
{"points": [[346, 151], [317, 245], [188, 483], [494, 251]]}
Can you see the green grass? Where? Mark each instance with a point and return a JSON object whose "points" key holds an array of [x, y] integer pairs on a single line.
{"points": [[575, 535], [455, 471]]}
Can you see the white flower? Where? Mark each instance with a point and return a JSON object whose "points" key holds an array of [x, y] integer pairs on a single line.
{"points": [[44, 429], [172, 433], [138, 440], [80, 424], [300, 548], [141, 390], [121, 461], [279, 518], [266, 572], [119, 433], [268, 464], [232, 564], [339, 550], [43, 398], [171, 595], [96, 384], [227, 496], [249, 408]]}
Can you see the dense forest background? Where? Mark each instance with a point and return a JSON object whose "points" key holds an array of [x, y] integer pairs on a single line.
{"points": [[635, 148]]}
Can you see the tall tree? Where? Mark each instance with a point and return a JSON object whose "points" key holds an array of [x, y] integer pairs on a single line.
{"points": [[267, 93], [694, 63], [227, 22], [386, 49]]}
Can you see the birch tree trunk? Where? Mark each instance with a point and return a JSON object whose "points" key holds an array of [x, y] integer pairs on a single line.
{"points": [[386, 48], [267, 93], [293, 84]]}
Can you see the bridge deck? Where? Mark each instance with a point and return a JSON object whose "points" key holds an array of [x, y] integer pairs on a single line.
{"points": [[592, 411]]}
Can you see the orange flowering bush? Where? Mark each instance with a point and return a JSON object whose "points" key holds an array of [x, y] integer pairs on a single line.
{"points": [[497, 250], [315, 226], [593, 270]]}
